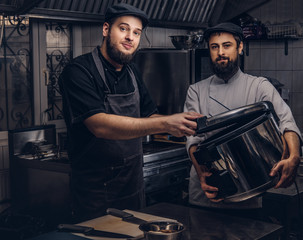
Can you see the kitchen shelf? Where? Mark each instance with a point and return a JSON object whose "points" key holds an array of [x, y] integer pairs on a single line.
{"points": [[285, 39]]}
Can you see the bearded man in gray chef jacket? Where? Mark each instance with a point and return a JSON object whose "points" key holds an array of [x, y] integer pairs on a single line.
{"points": [[107, 109], [230, 88]]}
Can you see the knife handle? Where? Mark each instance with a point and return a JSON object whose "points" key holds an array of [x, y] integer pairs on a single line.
{"points": [[119, 213], [74, 228]]}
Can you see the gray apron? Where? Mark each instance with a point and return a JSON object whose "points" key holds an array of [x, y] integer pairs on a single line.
{"points": [[115, 175]]}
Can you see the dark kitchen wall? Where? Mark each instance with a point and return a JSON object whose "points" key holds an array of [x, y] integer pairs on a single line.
{"points": [[267, 57]]}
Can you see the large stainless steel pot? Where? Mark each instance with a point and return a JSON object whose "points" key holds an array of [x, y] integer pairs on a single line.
{"points": [[241, 148]]}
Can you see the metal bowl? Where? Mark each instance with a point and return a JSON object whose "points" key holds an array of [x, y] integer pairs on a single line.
{"points": [[162, 230], [186, 41]]}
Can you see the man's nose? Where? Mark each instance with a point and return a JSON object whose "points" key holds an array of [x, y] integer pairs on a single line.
{"points": [[220, 51], [130, 36]]}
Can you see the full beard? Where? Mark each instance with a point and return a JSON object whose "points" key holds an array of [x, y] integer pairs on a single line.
{"points": [[225, 71], [116, 55]]}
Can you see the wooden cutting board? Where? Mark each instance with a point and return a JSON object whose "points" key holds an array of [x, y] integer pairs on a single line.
{"points": [[114, 224]]}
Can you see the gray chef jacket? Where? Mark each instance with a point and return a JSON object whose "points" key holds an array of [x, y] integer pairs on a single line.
{"points": [[213, 96]]}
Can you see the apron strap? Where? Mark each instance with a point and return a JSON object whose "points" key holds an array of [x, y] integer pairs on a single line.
{"points": [[132, 75], [99, 66]]}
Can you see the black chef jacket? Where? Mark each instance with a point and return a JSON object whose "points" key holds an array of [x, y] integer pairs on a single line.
{"points": [[86, 98]]}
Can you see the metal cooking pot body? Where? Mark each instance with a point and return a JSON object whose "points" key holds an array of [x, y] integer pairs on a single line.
{"points": [[242, 156], [249, 159], [162, 230]]}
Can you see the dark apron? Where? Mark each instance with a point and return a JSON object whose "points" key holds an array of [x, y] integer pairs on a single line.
{"points": [[114, 176]]}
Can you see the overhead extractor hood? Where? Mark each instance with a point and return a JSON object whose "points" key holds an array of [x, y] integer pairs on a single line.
{"points": [[162, 13], [16, 7]]}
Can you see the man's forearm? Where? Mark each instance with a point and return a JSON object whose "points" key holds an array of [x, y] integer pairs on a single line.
{"points": [[117, 127], [191, 151], [293, 144], [120, 127]]}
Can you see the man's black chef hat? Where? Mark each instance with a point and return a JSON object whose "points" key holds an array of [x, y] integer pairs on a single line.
{"points": [[123, 9], [224, 27]]}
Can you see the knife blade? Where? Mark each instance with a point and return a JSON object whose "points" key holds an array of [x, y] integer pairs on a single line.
{"points": [[127, 217], [90, 231]]}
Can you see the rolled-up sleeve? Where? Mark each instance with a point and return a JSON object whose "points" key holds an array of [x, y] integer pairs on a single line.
{"points": [[286, 120]]}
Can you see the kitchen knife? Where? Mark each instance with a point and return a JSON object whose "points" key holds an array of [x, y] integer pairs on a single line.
{"points": [[89, 231], [127, 217]]}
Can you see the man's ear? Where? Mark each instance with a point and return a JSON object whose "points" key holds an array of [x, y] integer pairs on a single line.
{"points": [[105, 29], [240, 49]]}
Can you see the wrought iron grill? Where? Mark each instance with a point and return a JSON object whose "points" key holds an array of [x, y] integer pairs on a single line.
{"points": [[16, 84], [58, 55]]}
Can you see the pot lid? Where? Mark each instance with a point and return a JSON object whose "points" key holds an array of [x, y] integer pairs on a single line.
{"points": [[234, 116]]}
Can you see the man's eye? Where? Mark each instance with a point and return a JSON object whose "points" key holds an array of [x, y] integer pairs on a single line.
{"points": [[122, 28], [214, 47], [227, 45], [137, 33]]}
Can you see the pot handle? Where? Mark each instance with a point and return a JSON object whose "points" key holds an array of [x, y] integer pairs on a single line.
{"points": [[251, 111], [205, 156]]}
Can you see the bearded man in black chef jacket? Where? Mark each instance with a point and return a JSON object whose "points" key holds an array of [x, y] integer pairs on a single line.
{"points": [[107, 110], [230, 88]]}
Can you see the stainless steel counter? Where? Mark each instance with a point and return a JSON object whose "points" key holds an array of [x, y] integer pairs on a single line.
{"points": [[200, 225], [156, 151], [166, 168]]}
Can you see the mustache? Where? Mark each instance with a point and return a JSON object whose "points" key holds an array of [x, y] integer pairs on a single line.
{"points": [[222, 58], [128, 42]]}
